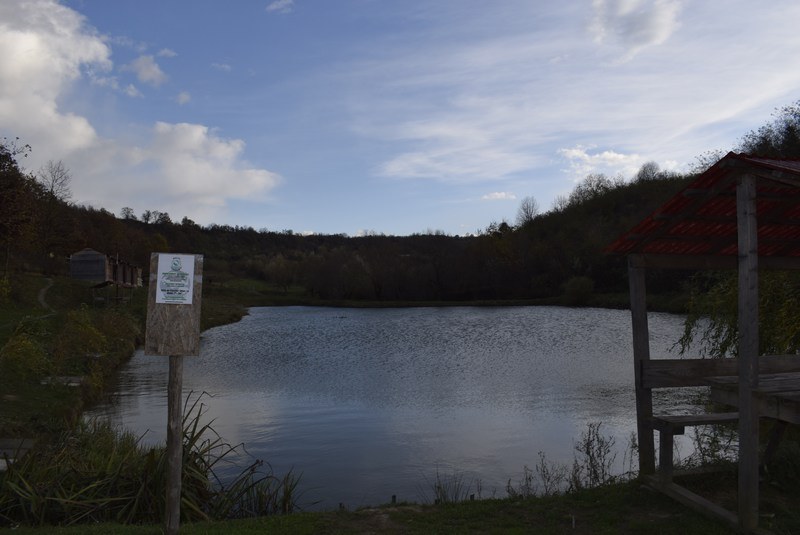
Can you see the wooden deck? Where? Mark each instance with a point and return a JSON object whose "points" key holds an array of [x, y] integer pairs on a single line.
{"points": [[732, 216]]}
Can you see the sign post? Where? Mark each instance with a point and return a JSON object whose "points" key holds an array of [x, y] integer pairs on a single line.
{"points": [[173, 330]]}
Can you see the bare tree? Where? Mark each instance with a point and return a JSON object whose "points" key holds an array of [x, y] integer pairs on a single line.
{"points": [[127, 213], [55, 178], [648, 171], [527, 212], [560, 203]]}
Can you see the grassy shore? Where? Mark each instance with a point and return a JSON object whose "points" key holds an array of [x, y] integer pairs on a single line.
{"points": [[618, 509]]}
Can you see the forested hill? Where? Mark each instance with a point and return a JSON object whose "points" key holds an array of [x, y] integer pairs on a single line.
{"points": [[535, 258], [541, 255]]}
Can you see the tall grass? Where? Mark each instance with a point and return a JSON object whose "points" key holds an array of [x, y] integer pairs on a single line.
{"points": [[592, 464], [448, 489], [97, 473]]}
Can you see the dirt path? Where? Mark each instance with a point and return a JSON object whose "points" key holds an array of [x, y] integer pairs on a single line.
{"points": [[43, 294]]}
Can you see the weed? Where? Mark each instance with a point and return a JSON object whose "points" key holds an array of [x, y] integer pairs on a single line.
{"points": [[526, 488], [594, 459], [95, 473], [552, 476], [713, 444], [452, 489]]}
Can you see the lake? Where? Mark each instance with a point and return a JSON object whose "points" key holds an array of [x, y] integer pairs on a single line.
{"points": [[370, 403]]}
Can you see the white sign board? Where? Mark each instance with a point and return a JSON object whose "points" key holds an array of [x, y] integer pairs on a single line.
{"points": [[175, 279]]}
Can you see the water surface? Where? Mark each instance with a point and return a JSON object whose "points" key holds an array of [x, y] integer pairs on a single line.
{"points": [[370, 403]]}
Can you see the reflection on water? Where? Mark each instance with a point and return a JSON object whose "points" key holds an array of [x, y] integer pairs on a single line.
{"points": [[368, 403]]}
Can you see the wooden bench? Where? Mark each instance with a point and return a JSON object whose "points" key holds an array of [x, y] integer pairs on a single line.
{"points": [[670, 425]]}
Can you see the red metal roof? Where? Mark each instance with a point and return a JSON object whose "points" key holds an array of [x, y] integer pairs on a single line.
{"points": [[701, 219]]}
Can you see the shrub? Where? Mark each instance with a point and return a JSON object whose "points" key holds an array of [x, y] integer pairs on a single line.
{"points": [[784, 468], [23, 358], [77, 342]]}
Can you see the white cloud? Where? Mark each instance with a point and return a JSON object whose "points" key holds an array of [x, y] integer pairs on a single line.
{"points": [[183, 98], [196, 167], [185, 169], [132, 91], [166, 53], [45, 45], [147, 70], [582, 162], [222, 67], [281, 6], [499, 196], [634, 24]]}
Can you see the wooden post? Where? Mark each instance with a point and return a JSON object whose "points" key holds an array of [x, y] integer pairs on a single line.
{"points": [[748, 351], [174, 444], [641, 353], [173, 328]]}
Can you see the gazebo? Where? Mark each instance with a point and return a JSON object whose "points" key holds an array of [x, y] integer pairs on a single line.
{"points": [[743, 213]]}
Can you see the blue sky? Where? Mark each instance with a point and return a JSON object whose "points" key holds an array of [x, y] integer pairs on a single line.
{"points": [[346, 116]]}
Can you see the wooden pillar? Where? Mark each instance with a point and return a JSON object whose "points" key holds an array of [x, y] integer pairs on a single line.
{"points": [[174, 445], [641, 352], [748, 351]]}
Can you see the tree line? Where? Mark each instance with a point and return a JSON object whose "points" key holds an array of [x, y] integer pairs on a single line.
{"points": [[539, 255]]}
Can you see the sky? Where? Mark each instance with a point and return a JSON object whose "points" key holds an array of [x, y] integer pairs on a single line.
{"points": [[381, 116]]}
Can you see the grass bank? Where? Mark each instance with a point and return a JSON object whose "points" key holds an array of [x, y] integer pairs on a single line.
{"points": [[626, 508]]}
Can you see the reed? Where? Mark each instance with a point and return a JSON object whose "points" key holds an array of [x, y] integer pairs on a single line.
{"points": [[453, 488], [97, 473]]}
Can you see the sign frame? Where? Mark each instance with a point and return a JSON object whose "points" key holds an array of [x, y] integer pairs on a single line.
{"points": [[173, 329]]}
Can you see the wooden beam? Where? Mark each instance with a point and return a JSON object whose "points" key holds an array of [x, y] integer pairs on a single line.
{"points": [[641, 353], [747, 223], [689, 262], [695, 501], [669, 373], [776, 407], [784, 176], [711, 262]]}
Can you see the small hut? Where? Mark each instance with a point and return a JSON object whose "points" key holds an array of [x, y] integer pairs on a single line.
{"points": [[742, 214], [106, 273], [90, 265], [94, 266]]}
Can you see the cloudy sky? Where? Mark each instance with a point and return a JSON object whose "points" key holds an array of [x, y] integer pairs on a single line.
{"points": [[345, 116]]}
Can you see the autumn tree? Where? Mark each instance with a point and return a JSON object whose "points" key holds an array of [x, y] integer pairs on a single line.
{"points": [[18, 193]]}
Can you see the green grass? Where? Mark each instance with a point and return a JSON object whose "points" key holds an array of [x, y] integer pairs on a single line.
{"points": [[28, 408], [626, 508], [22, 303]]}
